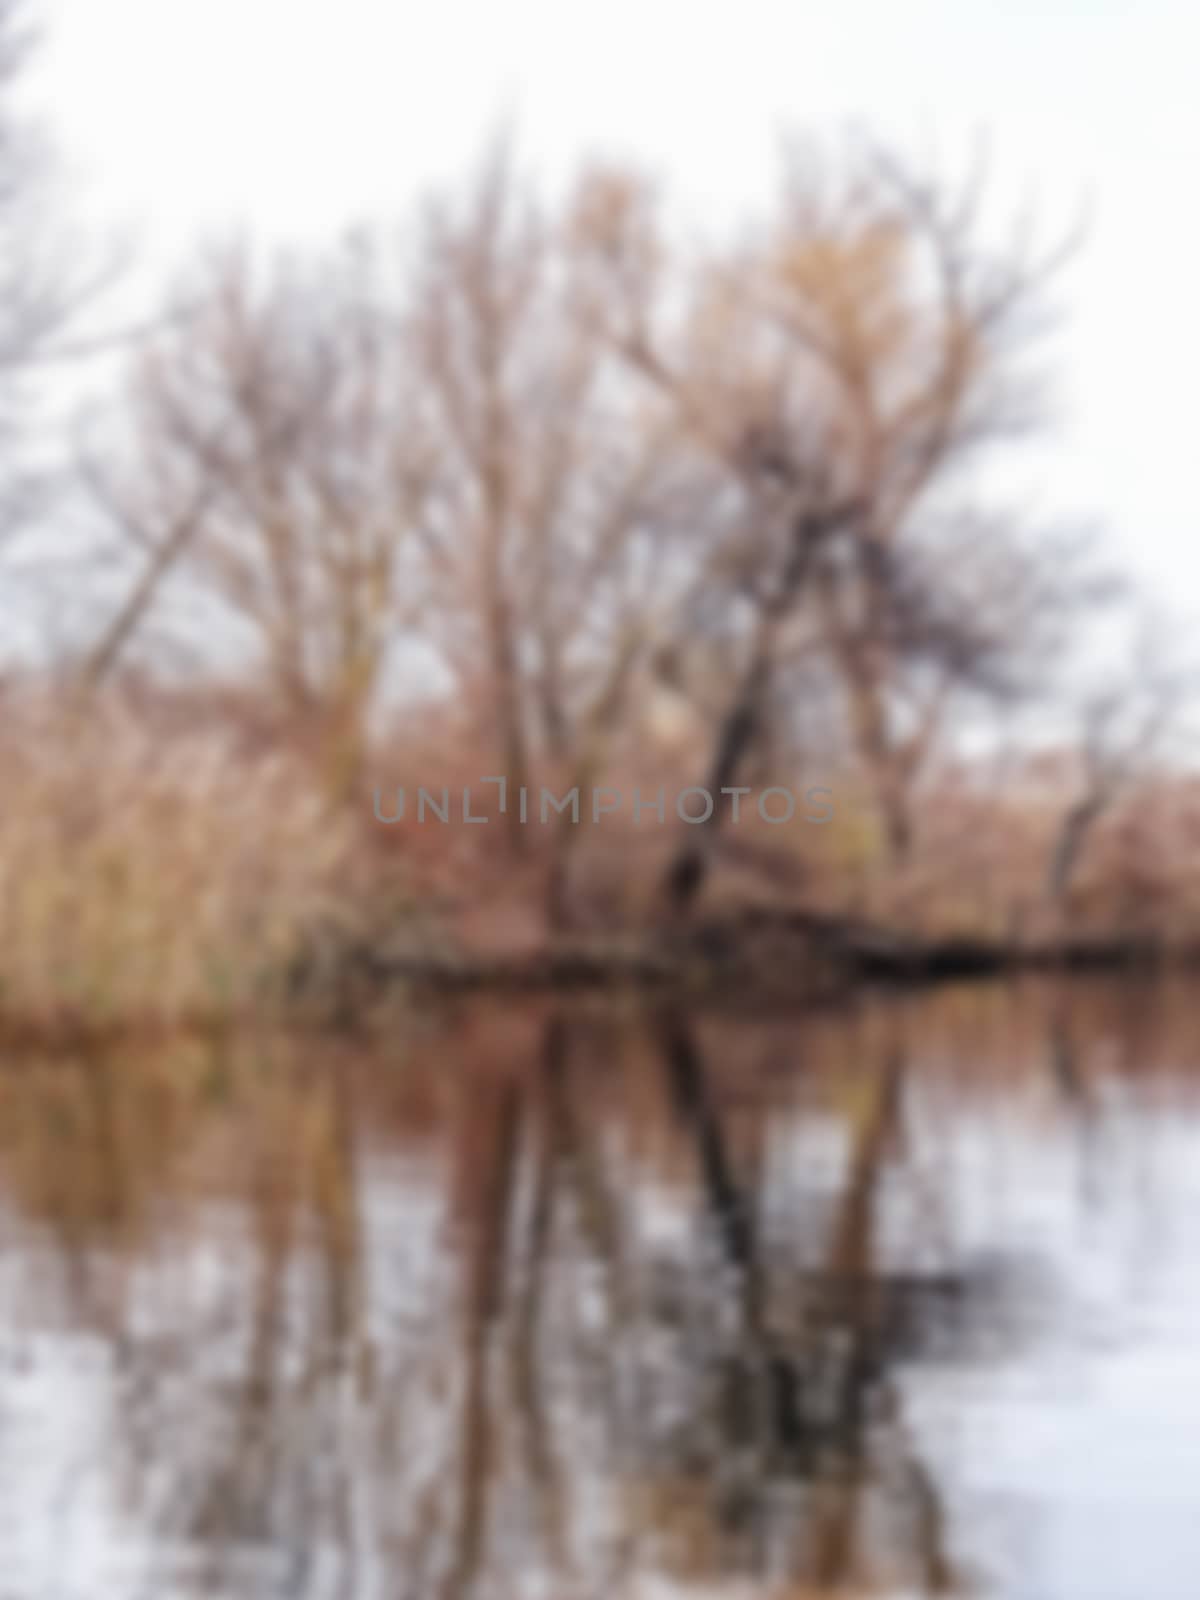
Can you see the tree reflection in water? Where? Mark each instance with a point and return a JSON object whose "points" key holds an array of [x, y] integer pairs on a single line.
{"points": [[543, 1304]]}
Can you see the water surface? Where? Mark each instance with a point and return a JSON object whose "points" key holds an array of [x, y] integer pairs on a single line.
{"points": [[566, 1301]]}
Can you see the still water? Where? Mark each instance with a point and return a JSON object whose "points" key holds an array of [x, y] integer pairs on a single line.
{"points": [[556, 1302]]}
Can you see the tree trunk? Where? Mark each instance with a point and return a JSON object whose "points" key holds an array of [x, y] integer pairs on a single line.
{"points": [[507, 711], [1067, 854], [743, 721]]}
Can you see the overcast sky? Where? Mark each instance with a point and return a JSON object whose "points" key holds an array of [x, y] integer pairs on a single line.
{"points": [[180, 118]]}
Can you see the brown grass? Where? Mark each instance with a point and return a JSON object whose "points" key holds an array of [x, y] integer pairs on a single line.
{"points": [[149, 875]]}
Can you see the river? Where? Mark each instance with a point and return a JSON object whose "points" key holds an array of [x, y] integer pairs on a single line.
{"points": [[577, 1299]]}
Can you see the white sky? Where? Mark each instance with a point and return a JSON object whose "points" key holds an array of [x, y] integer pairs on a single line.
{"points": [[181, 118]]}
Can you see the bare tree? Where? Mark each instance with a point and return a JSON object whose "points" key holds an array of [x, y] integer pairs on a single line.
{"points": [[43, 286], [546, 532], [840, 367], [919, 330], [278, 464], [554, 446], [1123, 722], [759, 541]]}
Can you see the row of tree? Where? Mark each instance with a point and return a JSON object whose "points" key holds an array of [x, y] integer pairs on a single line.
{"points": [[537, 451]]}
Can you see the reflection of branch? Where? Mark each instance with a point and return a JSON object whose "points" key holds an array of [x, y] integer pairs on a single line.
{"points": [[727, 1205], [488, 1195], [862, 1311], [836, 1505], [598, 1214], [542, 1466], [230, 1505], [929, 1516], [851, 1261], [1062, 1058], [772, 1397]]}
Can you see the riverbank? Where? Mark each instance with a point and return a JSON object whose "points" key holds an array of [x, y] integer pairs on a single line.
{"points": [[158, 870], [755, 952]]}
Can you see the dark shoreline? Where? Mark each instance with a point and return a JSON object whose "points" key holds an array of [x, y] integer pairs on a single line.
{"points": [[769, 959], [768, 952]]}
